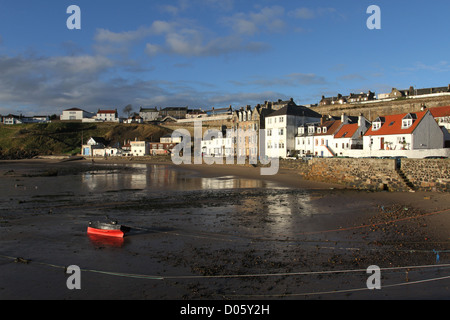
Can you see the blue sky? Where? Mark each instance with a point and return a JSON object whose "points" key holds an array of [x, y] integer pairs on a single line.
{"points": [[211, 53]]}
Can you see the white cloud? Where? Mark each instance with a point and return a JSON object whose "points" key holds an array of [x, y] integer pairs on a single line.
{"points": [[268, 19], [289, 80], [152, 49], [156, 28], [52, 84], [308, 14]]}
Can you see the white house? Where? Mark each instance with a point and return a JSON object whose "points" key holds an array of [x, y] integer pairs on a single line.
{"points": [[408, 131], [94, 147], [442, 116], [331, 137], [324, 137], [169, 139], [134, 119], [75, 114], [350, 137], [12, 119], [149, 114], [304, 140], [107, 115], [281, 127], [217, 145], [139, 148]]}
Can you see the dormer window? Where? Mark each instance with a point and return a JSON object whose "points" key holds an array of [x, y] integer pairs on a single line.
{"points": [[407, 121], [324, 130], [319, 130], [378, 122]]}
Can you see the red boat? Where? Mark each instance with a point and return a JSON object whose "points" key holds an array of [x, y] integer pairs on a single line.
{"points": [[109, 229]]}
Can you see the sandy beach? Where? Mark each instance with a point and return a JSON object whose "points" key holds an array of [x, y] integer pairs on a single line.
{"points": [[214, 232]]}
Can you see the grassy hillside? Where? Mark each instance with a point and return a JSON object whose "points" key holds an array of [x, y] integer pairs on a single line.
{"points": [[27, 140]]}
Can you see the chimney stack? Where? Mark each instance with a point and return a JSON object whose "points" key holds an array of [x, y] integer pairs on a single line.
{"points": [[361, 121]]}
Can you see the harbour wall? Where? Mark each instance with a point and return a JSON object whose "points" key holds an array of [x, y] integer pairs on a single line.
{"points": [[377, 174]]}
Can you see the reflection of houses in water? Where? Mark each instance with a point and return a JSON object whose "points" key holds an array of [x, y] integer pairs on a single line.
{"points": [[280, 211], [94, 180], [230, 182], [114, 179], [162, 176], [143, 177]]}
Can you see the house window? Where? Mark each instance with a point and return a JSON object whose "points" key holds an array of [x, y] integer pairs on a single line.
{"points": [[281, 119], [406, 123], [280, 131], [269, 132], [376, 126]]}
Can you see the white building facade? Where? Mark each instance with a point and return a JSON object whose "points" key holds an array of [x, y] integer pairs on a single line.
{"points": [[107, 116], [75, 114], [139, 148], [411, 131], [281, 127]]}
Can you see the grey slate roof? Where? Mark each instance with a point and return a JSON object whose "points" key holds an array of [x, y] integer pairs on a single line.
{"points": [[295, 111]]}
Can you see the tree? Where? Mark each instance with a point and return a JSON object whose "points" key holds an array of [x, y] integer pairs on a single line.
{"points": [[128, 108]]}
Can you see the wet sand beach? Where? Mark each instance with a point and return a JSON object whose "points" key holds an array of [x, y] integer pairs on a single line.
{"points": [[214, 232]]}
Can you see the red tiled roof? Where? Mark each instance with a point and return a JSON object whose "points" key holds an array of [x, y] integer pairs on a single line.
{"points": [[393, 124], [107, 111], [347, 131], [440, 112]]}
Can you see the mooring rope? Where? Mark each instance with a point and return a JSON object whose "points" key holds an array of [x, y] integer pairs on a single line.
{"points": [[153, 277]]}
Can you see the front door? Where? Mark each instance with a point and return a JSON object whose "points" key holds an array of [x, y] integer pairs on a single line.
{"points": [[382, 144]]}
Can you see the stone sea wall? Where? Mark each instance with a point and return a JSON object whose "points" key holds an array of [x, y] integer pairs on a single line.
{"points": [[377, 174], [428, 174]]}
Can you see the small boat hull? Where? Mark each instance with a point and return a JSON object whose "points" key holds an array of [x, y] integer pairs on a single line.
{"points": [[109, 233], [107, 229]]}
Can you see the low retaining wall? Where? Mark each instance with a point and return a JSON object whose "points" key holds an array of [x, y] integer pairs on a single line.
{"points": [[367, 174], [377, 174], [428, 174]]}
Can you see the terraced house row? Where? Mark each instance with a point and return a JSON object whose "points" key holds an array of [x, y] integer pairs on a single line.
{"points": [[297, 131]]}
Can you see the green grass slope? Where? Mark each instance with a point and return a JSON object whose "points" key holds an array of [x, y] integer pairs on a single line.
{"points": [[58, 138]]}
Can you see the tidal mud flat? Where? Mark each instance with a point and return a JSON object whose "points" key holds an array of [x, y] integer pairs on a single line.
{"points": [[213, 232]]}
